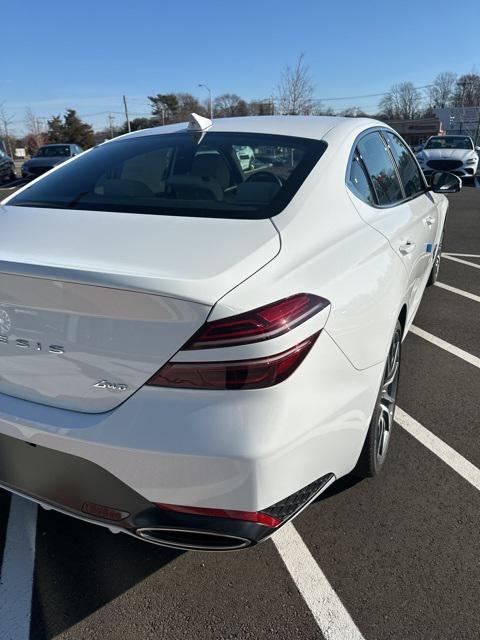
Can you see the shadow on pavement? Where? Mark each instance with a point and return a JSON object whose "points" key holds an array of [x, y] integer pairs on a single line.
{"points": [[7, 188], [4, 511], [339, 486], [81, 567]]}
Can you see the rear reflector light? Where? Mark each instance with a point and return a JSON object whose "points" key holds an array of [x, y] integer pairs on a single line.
{"points": [[263, 323], [241, 374], [248, 516], [101, 511]]}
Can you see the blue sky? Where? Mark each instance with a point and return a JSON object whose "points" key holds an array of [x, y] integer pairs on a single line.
{"points": [[86, 54]]}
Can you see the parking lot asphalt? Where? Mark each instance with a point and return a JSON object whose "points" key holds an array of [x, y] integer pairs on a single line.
{"points": [[400, 553]]}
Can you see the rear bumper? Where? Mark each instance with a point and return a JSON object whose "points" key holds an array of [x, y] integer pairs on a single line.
{"points": [[244, 450], [82, 489]]}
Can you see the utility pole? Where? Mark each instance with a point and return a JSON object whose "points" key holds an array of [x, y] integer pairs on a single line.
{"points": [[210, 98], [476, 140], [126, 114], [110, 123]]}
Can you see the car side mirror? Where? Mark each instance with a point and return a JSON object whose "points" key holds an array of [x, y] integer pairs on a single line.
{"points": [[444, 182], [477, 149]]}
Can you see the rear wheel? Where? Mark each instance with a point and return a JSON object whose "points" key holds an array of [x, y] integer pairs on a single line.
{"points": [[376, 444]]}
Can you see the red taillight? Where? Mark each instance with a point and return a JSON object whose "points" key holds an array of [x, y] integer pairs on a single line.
{"points": [[241, 374], [263, 323], [249, 516]]}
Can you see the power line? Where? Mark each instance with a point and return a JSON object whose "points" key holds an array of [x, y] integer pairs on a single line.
{"points": [[370, 95]]}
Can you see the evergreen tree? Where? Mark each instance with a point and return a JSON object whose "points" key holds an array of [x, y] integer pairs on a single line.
{"points": [[164, 107], [77, 131], [72, 130], [56, 130]]}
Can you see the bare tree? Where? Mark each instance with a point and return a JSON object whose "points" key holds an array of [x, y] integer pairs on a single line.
{"points": [[36, 131], [441, 92], [5, 128], [402, 101], [353, 112], [467, 91], [264, 107], [228, 105], [319, 110], [295, 89]]}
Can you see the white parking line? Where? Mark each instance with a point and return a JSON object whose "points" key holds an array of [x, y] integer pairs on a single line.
{"points": [[455, 461], [459, 292], [331, 616], [470, 264], [16, 577], [461, 255], [443, 344]]}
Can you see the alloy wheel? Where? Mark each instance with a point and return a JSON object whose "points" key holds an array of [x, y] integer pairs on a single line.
{"points": [[387, 399], [436, 264]]}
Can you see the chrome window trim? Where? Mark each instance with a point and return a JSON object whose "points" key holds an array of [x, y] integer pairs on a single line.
{"points": [[351, 158], [422, 177]]}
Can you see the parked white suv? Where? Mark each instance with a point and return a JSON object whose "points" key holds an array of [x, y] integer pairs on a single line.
{"points": [[456, 154]]}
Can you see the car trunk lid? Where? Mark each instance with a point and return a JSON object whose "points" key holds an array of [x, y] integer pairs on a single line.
{"points": [[93, 303]]}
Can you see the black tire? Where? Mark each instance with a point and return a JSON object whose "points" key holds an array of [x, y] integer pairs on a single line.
{"points": [[432, 278], [375, 447]]}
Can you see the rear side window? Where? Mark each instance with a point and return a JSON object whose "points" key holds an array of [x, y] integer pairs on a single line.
{"points": [[360, 182], [381, 169], [182, 174], [407, 167]]}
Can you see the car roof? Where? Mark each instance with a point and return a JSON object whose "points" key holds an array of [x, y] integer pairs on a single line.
{"points": [[315, 127]]}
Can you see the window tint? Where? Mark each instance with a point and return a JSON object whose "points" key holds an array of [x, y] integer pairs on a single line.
{"points": [[380, 168], [407, 167], [181, 174], [360, 182]]}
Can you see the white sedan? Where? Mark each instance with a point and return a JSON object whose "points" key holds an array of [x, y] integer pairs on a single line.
{"points": [[195, 355], [457, 154]]}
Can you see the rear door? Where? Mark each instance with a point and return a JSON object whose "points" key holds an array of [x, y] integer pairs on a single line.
{"points": [[400, 207]]}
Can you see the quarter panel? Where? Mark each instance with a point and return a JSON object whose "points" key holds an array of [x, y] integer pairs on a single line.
{"points": [[327, 249]]}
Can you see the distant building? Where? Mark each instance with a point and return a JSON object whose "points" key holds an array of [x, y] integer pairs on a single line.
{"points": [[464, 120], [417, 131]]}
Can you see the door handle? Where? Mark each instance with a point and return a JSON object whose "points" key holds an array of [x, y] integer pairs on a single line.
{"points": [[407, 247], [429, 220]]}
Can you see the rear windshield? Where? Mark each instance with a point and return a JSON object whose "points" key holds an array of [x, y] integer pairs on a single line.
{"points": [[53, 152], [226, 175]]}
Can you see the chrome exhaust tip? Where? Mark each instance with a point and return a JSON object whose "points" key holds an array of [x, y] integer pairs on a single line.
{"points": [[192, 539]]}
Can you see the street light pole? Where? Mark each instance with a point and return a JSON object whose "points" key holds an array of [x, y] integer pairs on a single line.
{"points": [[126, 114], [210, 98]]}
